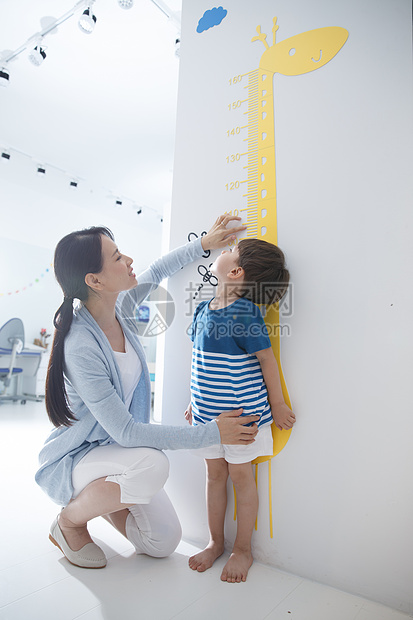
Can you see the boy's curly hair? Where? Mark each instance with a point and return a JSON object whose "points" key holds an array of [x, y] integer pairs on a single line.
{"points": [[266, 276]]}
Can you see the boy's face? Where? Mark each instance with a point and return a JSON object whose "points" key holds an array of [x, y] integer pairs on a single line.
{"points": [[225, 263]]}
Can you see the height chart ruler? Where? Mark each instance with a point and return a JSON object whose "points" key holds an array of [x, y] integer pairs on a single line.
{"points": [[260, 206], [250, 159]]}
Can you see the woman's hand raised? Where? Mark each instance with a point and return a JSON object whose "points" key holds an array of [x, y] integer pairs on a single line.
{"points": [[220, 235], [232, 430]]}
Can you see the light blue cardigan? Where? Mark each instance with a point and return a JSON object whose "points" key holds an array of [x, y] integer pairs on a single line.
{"points": [[95, 394]]}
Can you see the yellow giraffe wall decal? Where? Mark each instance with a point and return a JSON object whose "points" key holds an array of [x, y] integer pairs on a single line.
{"points": [[296, 55]]}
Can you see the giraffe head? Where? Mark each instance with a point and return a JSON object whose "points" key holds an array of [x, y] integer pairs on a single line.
{"points": [[304, 52]]}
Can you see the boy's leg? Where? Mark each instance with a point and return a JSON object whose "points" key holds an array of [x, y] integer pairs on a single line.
{"points": [[216, 496], [236, 569]]}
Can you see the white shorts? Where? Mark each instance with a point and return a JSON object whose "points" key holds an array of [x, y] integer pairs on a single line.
{"points": [[152, 525], [139, 472], [262, 446]]}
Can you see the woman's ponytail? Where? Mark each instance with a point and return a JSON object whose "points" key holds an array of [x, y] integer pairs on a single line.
{"points": [[76, 255], [56, 397]]}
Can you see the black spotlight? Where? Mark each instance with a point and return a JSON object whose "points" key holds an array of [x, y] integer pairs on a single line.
{"points": [[4, 77]]}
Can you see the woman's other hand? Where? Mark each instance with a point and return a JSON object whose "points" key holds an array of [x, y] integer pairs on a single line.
{"points": [[232, 429], [220, 235]]}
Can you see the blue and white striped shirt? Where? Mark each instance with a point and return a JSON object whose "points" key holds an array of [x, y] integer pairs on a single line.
{"points": [[226, 373]]}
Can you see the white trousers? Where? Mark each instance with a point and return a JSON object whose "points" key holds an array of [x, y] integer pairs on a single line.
{"points": [[152, 525]]}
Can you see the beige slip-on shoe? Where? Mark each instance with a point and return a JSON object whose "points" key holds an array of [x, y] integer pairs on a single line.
{"points": [[89, 556]]}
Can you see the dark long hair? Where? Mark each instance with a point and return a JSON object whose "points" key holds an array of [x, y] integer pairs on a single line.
{"points": [[266, 275], [76, 255]]}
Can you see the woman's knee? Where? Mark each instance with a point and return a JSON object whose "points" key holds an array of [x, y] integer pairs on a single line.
{"points": [[159, 467], [150, 476], [154, 528], [144, 478], [171, 539]]}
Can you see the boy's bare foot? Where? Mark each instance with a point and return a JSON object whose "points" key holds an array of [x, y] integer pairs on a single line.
{"points": [[205, 559], [236, 569]]}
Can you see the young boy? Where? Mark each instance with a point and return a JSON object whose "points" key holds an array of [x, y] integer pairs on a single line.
{"points": [[233, 366]]}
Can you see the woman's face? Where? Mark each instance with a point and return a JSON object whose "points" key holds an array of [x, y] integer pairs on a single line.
{"points": [[117, 274]]}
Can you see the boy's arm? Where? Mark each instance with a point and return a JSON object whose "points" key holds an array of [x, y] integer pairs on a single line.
{"points": [[281, 413]]}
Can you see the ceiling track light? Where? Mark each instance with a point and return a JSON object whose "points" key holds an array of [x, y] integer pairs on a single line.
{"points": [[171, 15], [86, 24], [87, 21], [125, 4], [4, 77], [73, 182], [37, 55]]}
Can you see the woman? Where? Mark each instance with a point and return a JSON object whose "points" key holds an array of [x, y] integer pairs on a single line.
{"points": [[103, 458]]}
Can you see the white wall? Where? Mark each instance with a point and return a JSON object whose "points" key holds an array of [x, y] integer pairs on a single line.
{"points": [[342, 491], [35, 214]]}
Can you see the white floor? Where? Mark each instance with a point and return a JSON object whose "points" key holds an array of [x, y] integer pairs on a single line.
{"points": [[36, 582]]}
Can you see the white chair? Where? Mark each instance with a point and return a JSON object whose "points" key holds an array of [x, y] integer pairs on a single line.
{"points": [[11, 343]]}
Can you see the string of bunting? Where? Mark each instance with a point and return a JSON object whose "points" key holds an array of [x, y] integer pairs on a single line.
{"points": [[25, 288]]}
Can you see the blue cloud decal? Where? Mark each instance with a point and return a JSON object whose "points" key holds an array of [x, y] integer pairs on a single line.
{"points": [[212, 17]]}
